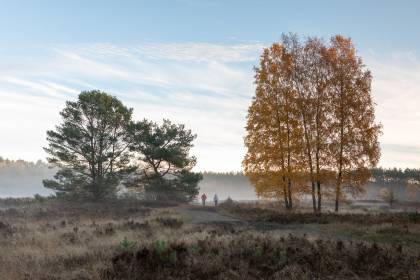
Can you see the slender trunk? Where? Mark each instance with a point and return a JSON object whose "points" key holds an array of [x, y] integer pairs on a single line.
{"points": [[318, 184], [318, 181], [311, 170], [338, 186], [289, 185], [286, 200], [289, 168], [318, 170], [308, 143], [337, 191], [340, 162], [313, 196]]}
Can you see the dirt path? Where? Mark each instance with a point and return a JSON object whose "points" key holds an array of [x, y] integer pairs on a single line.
{"points": [[204, 215], [210, 215]]}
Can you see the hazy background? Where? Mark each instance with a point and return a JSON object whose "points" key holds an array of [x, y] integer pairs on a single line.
{"points": [[24, 179]]}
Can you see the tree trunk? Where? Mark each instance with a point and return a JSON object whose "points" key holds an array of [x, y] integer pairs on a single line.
{"points": [[289, 168], [285, 195], [339, 177], [340, 162], [313, 196], [319, 195], [289, 186], [337, 191], [308, 152], [318, 182]]}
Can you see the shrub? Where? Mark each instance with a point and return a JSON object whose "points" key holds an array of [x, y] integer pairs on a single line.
{"points": [[107, 229], [282, 217], [40, 198], [170, 222], [70, 237], [126, 245], [159, 247], [6, 229], [414, 217], [263, 257], [228, 202]]}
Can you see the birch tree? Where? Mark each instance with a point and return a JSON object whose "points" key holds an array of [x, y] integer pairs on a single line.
{"points": [[354, 132], [273, 129], [312, 121]]}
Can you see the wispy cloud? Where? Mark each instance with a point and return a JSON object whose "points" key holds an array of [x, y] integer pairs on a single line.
{"points": [[199, 52], [184, 52], [206, 86]]}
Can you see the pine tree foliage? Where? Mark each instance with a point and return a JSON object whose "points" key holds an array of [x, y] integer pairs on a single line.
{"points": [[98, 148], [90, 147], [164, 151]]}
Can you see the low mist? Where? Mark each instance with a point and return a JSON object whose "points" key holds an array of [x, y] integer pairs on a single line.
{"points": [[24, 179]]}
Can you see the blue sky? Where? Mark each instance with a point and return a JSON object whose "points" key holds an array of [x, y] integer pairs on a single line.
{"points": [[191, 61], [374, 24]]}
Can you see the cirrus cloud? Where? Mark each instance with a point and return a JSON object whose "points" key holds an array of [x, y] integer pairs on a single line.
{"points": [[206, 86]]}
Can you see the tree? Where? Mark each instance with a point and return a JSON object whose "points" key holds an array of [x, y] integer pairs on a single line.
{"points": [[354, 133], [165, 163], [411, 191], [273, 129], [387, 195], [91, 146], [318, 79], [311, 121], [300, 84]]}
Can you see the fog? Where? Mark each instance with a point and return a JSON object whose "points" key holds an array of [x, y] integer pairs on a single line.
{"points": [[233, 185], [24, 179]]}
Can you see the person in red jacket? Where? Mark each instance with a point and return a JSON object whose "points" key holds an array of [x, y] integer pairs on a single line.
{"points": [[203, 199]]}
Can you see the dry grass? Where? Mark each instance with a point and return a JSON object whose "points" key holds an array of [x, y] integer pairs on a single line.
{"points": [[63, 240], [256, 256], [127, 239], [282, 216], [401, 229]]}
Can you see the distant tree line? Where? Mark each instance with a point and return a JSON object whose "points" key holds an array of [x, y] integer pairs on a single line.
{"points": [[21, 167], [407, 175], [98, 147], [222, 178], [311, 124], [23, 177], [378, 174]]}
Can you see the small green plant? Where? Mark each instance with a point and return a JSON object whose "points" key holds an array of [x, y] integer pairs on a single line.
{"points": [[195, 249], [281, 257], [173, 257], [159, 247], [258, 252], [163, 252], [126, 245]]}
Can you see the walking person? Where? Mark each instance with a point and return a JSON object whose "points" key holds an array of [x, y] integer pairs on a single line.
{"points": [[203, 199], [215, 199]]}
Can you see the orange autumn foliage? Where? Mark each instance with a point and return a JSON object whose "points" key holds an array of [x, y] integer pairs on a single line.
{"points": [[310, 127]]}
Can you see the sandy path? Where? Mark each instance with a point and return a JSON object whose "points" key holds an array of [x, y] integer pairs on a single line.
{"points": [[209, 215], [203, 215]]}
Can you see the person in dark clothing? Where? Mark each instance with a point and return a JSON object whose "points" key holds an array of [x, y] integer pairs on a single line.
{"points": [[203, 199]]}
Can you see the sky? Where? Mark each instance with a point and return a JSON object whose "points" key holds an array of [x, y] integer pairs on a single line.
{"points": [[192, 62]]}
